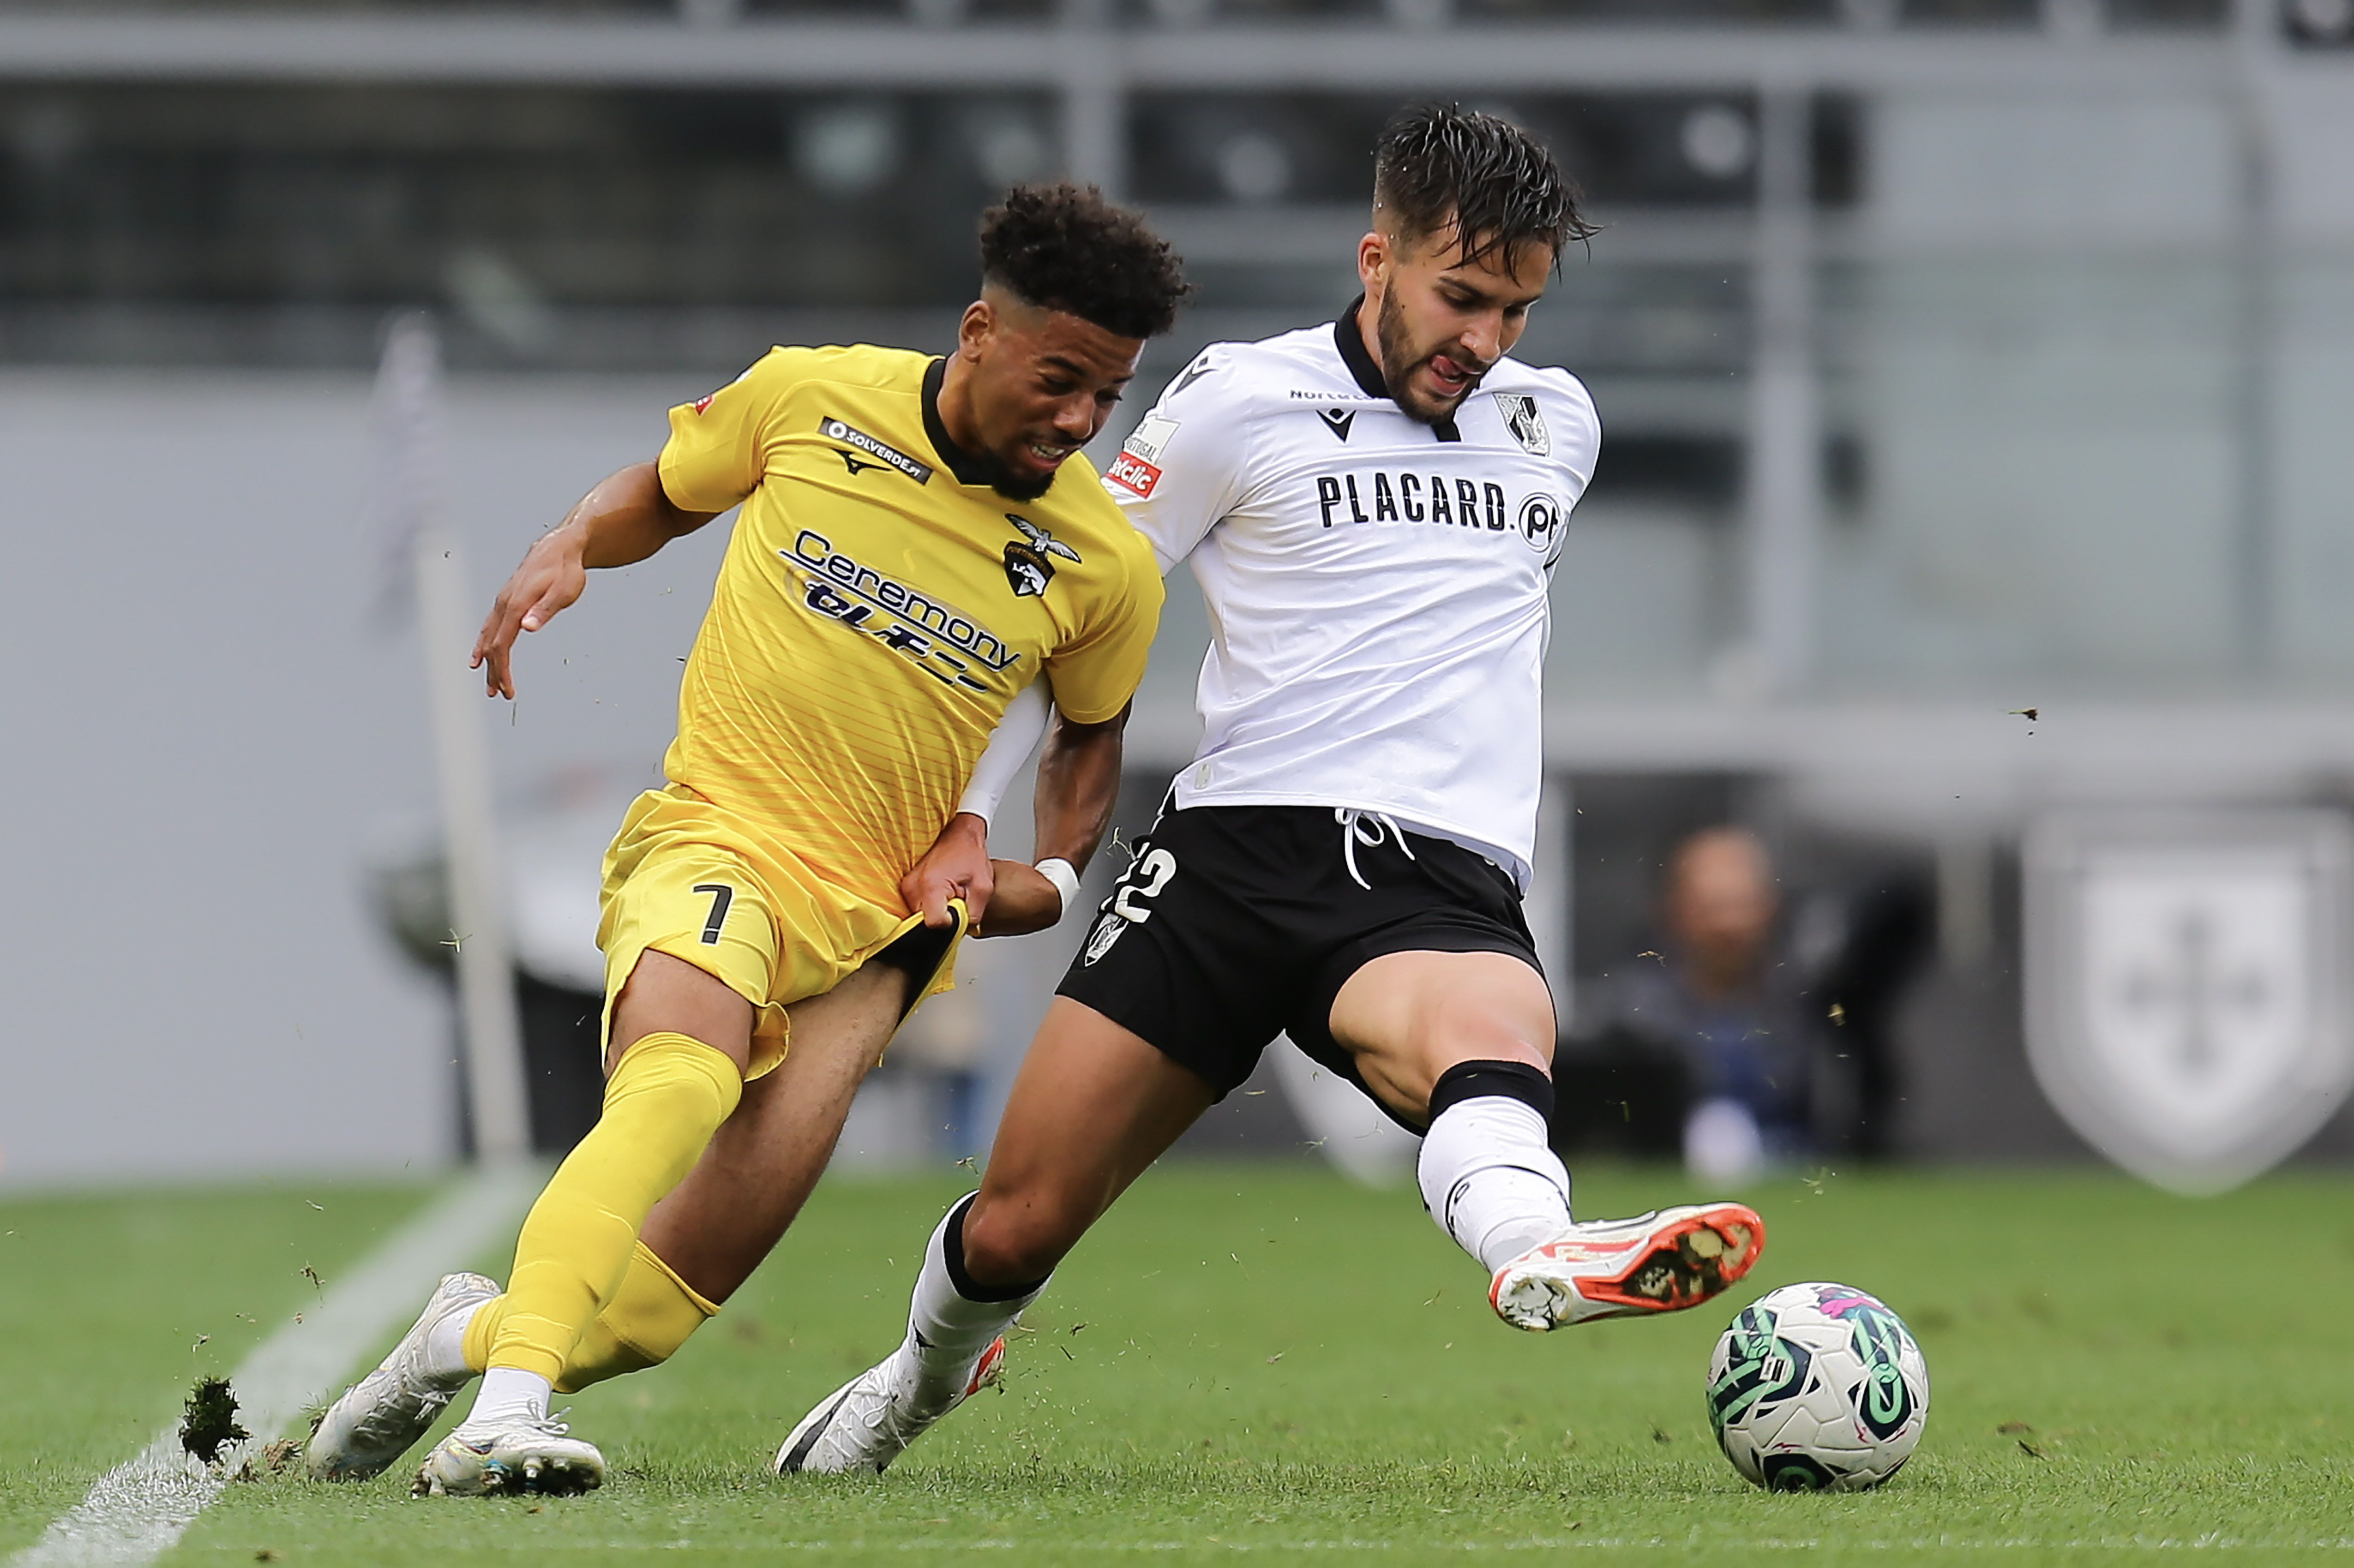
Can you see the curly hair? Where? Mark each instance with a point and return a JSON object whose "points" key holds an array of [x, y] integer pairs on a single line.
{"points": [[1068, 249], [1438, 162]]}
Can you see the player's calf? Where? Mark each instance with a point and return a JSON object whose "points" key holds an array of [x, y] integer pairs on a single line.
{"points": [[1492, 1182], [1487, 1172]]}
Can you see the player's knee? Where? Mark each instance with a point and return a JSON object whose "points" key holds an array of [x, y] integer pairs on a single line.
{"points": [[1015, 1243], [1480, 1035], [1404, 1080]]}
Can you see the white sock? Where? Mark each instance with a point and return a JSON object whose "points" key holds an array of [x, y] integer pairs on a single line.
{"points": [[1490, 1179], [445, 1348], [947, 1329], [509, 1394]]}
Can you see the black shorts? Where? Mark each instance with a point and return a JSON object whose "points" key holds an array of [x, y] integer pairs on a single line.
{"points": [[1237, 923]]}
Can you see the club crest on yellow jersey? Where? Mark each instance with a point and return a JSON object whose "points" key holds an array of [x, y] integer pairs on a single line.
{"points": [[1030, 560]]}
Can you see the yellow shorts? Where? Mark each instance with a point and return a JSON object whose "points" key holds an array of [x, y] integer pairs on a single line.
{"points": [[688, 878]]}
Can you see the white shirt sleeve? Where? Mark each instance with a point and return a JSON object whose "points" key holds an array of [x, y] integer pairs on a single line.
{"points": [[1576, 451], [1182, 469], [1018, 734], [1581, 446]]}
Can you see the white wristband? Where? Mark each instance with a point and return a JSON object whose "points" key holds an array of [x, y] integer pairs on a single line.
{"points": [[1065, 879]]}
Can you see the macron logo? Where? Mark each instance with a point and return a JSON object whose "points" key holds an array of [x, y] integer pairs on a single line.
{"points": [[882, 452]]}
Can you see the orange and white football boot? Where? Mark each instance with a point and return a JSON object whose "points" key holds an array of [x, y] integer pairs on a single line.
{"points": [[1660, 1262]]}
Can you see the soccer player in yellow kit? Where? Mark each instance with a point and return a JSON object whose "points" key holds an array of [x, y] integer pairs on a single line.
{"points": [[905, 564]]}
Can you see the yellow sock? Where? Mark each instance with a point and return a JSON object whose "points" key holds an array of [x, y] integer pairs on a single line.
{"points": [[652, 1315], [662, 1106], [643, 1326]]}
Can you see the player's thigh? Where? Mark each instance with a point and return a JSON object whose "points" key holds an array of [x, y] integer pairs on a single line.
{"points": [[1093, 1105], [1405, 1018], [1189, 952], [719, 1223], [787, 1123], [692, 942]]}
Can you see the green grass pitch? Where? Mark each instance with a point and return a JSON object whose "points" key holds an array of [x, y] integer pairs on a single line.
{"points": [[1264, 1362]]}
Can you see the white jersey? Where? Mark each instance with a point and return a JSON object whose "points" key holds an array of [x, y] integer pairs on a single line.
{"points": [[1376, 586]]}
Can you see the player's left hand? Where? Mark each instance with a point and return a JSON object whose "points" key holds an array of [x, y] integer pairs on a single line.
{"points": [[955, 866]]}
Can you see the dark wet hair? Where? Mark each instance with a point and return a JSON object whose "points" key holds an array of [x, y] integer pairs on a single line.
{"points": [[1068, 249], [1438, 162]]}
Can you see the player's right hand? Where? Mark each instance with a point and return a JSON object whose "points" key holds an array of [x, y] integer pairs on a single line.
{"points": [[550, 578], [955, 866]]}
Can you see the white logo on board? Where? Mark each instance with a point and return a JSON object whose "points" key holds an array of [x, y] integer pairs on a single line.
{"points": [[2186, 986]]}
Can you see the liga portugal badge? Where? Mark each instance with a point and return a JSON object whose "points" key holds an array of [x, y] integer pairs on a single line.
{"points": [[2187, 980]]}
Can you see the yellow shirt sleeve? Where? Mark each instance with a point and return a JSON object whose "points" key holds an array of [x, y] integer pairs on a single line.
{"points": [[1096, 674], [718, 447]]}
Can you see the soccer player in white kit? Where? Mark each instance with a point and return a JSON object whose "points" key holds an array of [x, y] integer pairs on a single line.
{"points": [[1373, 508]]}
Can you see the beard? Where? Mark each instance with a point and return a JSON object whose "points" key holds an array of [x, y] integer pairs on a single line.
{"points": [[1398, 365], [1001, 481], [1000, 477]]}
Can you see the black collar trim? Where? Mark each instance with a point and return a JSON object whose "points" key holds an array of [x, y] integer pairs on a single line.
{"points": [[969, 468], [1351, 341]]}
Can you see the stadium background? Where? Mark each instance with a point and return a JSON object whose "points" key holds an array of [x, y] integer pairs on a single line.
{"points": [[1956, 357]]}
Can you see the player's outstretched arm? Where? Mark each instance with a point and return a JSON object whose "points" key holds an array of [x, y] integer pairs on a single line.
{"points": [[626, 518]]}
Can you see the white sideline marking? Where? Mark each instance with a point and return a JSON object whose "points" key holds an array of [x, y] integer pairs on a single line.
{"points": [[138, 1510]]}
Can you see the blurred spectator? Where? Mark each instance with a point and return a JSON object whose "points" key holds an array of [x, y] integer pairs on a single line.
{"points": [[1746, 1039], [1719, 1023], [1725, 1000]]}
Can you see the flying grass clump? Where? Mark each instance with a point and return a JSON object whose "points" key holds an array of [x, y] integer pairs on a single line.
{"points": [[210, 1423]]}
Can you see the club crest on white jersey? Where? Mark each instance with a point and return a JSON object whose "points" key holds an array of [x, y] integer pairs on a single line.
{"points": [[1522, 418]]}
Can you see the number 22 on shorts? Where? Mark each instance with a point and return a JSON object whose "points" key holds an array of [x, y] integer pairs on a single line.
{"points": [[1147, 877]]}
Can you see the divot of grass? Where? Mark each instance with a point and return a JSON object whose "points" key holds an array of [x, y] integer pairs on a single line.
{"points": [[208, 1424]]}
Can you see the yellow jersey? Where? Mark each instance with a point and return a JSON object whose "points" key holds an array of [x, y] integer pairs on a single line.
{"points": [[878, 606]]}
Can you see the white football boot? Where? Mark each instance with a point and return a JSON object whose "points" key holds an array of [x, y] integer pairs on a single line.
{"points": [[1660, 1262], [869, 1421], [510, 1457], [380, 1418]]}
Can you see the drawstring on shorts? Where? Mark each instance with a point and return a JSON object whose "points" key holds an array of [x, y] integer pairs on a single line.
{"points": [[1371, 829]]}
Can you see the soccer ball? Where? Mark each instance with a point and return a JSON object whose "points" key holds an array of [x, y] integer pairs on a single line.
{"points": [[1817, 1387]]}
